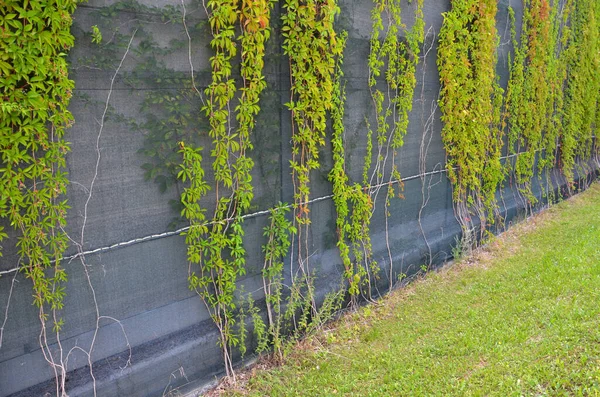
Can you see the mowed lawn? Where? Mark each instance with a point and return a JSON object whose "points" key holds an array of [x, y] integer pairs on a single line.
{"points": [[520, 317]]}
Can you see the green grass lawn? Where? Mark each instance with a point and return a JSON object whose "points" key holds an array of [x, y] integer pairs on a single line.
{"points": [[520, 317]]}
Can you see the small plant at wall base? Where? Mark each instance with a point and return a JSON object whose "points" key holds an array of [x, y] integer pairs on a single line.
{"points": [[278, 233], [284, 327], [35, 91]]}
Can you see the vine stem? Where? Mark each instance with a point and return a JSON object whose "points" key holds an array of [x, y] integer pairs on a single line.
{"points": [[426, 139], [80, 244], [187, 33], [98, 154], [10, 292]]}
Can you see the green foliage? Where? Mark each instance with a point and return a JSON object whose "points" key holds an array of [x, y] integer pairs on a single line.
{"points": [[248, 308], [457, 249], [395, 58], [278, 233], [582, 86], [553, 89], [470, 104], [191, 170], [312, 46], [219, 251], [353, 204], [299, 311], [394, 55], [551, 102], [35, 91], [529, 102], [96, 35], [284, 327], [556, 75]]}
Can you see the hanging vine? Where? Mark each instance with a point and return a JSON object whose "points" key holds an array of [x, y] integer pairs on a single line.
{"points": [[278, 233], [395, 58], [529, 91], [35, 91], [353, 204], [218, 249], [551, 77], [556, 76], [582, 87], [312, 46], [470, 104]]}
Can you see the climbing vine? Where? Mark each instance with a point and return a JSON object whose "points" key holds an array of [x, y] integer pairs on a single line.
{"points": [[394, 55], [218, 249], [470, 104], [396, 58], [556, 70], [312, 46], [278, 233], [35, 91], [529, 91], [582, 86], [353, 204], [553, 74]]}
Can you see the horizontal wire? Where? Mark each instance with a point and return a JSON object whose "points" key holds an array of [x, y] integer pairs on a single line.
{"points": [[186, 228], [247, 216]]}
